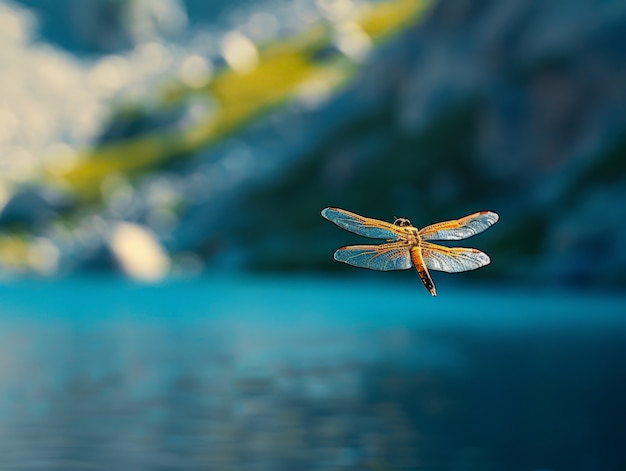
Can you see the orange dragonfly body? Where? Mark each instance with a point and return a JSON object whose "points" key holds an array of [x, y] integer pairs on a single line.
{"points": [[409, 246]]}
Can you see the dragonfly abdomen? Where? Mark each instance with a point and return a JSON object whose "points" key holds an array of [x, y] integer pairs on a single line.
{"points": [[422, 271]]}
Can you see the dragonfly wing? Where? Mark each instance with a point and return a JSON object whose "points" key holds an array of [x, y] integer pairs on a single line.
{"points": [[453, 259], [361, 225], [383, 257], [458, 229]]}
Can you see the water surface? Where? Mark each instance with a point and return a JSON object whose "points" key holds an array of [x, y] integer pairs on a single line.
{"points": [[284, 373]]}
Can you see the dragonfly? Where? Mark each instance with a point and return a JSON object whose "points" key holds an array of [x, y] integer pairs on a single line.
{"points": [[407, 246]]}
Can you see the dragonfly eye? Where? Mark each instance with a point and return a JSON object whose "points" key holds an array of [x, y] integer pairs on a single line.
{"points": [[402, 222]]}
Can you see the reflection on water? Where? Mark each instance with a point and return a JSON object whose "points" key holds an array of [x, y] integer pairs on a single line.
{"points": [[272, 374]]}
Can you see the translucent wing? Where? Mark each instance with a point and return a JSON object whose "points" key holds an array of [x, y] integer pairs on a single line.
{"points": [[453, 259], [460, 228], [361, 225], [383, 257]]}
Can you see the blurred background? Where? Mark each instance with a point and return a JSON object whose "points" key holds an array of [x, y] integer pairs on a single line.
{"points": [[169, 298]]}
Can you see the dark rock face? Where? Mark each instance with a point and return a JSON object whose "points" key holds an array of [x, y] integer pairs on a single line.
{"points": [[515, 107], [32, 206]]}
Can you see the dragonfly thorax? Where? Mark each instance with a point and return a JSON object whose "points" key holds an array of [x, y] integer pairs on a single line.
{"points": [[402, 222]]}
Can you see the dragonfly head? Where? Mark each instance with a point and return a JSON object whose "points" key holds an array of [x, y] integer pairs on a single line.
{"points": [[402, 222]]}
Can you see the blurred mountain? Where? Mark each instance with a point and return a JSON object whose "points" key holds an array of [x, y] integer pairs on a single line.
{"points": [[516, 107]]}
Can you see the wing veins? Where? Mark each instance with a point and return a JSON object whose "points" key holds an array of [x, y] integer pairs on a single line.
{"points": [[384, 257], [459, 229], [361, 225], [453, 259]]}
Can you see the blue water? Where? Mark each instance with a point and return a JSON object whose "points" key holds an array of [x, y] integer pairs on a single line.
{"points": [[299, 373], [288, 302]]}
